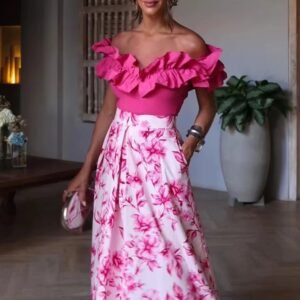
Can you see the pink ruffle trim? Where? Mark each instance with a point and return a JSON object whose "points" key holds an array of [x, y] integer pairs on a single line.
{"points": [[173, 69]]}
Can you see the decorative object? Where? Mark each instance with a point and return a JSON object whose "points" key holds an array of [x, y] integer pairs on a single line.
{"points": [[73, 214], [17, 143], [6, 117], [244, 106]]}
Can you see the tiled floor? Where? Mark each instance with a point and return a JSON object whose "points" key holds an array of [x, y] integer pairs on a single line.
{"points": [[255, 251]]}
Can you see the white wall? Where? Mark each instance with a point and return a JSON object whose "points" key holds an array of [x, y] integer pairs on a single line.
{"points": [[253, 34], [39, 98], [254, 38], [51, 79], [76, 134]]}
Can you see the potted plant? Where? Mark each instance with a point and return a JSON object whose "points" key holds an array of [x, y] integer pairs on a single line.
{"points": [[244, 106]]}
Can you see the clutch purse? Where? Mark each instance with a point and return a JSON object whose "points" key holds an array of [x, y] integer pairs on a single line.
{"points": [[74, 215]]}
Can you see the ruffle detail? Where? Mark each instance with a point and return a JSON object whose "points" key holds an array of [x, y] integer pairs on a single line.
{"points": [[172, 70]]}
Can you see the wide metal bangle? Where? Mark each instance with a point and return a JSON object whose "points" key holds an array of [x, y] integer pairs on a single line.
{"points": [[197, 132], [199, 129]]}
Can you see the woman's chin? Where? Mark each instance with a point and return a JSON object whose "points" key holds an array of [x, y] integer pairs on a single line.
{"points": [[151, 13], [151, 7]]}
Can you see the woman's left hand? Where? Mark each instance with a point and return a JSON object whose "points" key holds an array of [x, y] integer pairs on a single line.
{"points": [[188, 151]]}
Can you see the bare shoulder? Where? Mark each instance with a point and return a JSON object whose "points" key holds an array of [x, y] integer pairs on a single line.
{"points": [[191, 42], [121, 40]]}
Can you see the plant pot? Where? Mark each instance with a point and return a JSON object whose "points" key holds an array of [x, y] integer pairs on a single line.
{"points": [[245, 161]]}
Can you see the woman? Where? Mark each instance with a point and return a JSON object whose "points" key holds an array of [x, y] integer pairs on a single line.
{"points": [[147, 242]]}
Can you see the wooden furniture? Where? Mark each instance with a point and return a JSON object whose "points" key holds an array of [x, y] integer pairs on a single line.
{"points": [[39, 171]]}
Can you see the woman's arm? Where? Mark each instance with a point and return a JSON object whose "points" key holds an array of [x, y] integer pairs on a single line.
{"points": [[197, 48], [204, 118], [80, 182], [103, 122]]}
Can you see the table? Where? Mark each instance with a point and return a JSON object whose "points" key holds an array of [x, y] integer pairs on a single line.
{"points": [[39, 171]]}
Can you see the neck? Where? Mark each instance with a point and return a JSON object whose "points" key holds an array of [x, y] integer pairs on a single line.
{"points": [[154, 24]]}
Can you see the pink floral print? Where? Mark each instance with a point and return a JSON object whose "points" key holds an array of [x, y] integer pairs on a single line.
{"points": [[147, 241]]}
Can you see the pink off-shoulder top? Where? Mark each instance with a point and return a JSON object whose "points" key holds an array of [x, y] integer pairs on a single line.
{"points": [[161, 87]]}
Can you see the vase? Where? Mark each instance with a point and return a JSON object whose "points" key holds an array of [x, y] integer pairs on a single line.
{"points": [[17, 147], [245, 160]]}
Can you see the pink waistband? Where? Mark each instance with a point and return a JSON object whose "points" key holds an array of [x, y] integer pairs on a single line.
{"points": [[144, 120]]}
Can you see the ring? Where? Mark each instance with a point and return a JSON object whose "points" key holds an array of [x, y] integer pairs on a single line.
{"points": [[68, 193]]}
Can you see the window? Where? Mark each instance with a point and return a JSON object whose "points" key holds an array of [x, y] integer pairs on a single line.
{"points": [[100, 18]]}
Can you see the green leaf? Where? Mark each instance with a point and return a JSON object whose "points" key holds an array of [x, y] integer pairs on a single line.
{"points": [[237, 93], [261, 103], [221, 92], [238, 108], [242, 82], [263, 82], [232, 81], [268, 102], [226, 104], [254, 104], [259, 117], [242, 78], [240, 127], [270, 88], [254, 93], [242, 117], [227, 121]]}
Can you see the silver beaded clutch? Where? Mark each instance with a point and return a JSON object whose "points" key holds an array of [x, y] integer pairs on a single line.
{"points": [[74, 215]]}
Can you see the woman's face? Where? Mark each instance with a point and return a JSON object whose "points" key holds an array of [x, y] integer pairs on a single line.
{"points": [[152, 7]]}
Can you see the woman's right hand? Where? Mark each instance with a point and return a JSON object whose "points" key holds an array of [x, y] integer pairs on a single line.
{"points": [[78, 184], [104, 119]]}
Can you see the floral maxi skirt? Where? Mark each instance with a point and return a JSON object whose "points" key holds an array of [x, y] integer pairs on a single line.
{"points": [[147, 241]]}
